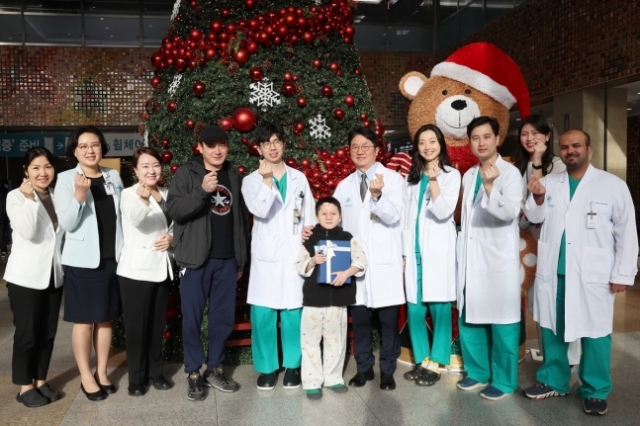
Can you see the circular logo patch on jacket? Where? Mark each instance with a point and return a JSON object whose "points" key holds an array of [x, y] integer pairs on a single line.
{"points": [[221, 200]]}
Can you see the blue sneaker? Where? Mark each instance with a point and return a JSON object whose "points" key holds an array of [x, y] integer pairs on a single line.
{"points": [[468, 384], [541, 391], [595, 406], [493, 393]]}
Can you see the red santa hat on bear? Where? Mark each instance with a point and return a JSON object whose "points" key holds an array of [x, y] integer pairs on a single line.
{"points": [[488, 69]]}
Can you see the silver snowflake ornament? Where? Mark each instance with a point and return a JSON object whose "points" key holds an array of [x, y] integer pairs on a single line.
{"points": [[319, 128], [262, 93], [176, 8], [174, 84]]}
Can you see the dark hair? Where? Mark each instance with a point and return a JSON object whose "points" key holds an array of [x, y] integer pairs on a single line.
{"points": [[264, 132], [328, 200], [418, 163], [144, 150], [39, 151], [586, 135], [366, 133], [482, 120], [72, 144], [521, 156]]}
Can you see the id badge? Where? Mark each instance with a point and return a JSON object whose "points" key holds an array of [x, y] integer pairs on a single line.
{"points": [[296, 216], [109, 188], [591, 220], [373, 217]]}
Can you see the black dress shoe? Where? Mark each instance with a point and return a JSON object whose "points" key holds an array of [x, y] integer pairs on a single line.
{"points": [[32, 398], [46, 391], [98, 395], [387, 382], [136, 389], [292, 378], [360, 379], [266, 381], [108, 389], [160, 383]]}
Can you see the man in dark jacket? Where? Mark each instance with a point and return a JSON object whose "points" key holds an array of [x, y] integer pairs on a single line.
{"points": [[210, 241]]}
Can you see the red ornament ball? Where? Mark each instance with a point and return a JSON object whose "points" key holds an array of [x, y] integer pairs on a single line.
{"points": [[209, 54], [167, 334], [305, 162], [155, 81], [215, 26], [225, 123], [193, 4], [166, 157], [165, 143], [249, 4], [287, 76], [242, 170], [244, 119], [366, 124], [317, 63], [195, 34], [327, 90], [289, 89], [256, 74], [190, 124], [244, 141], [341, 153], [171, 106], [174, 168], [363, 116], [225, 12], [302, 102], [195, 150], [334, 66], [253, 149], [198, 88], [338, 113], [291, 162], [350, 100], [252, 46], [299, 128], [241, 56], [357, 71], [308, 37]]}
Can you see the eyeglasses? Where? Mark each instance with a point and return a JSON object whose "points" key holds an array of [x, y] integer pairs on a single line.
{"points": [[268, 144], [363, 148], [93, 146]]}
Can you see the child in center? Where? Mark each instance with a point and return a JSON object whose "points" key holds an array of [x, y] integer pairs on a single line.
{"points": [[324, 304]]}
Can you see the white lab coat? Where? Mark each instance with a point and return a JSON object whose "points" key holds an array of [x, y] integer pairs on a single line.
{"points": [[274, 281], [488, 248], [607, 253], [437, 239], [376, 226]]}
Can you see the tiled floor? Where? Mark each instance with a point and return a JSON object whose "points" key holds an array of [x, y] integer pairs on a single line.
{"points": [[441, 404]]}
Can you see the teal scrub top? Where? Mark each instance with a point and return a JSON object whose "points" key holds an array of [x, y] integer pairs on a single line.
{"points": [[478, 185], [281, 185], [562, 258], [424, 184]]}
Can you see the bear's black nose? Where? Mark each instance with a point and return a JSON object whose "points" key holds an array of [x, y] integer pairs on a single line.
{"points": [[459, 105]]}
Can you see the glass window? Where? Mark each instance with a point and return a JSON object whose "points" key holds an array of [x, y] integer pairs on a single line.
{"points": [[497, 8], [62, 6], [448, 33], [10, 28], [11, 6], [157, 7], [112, 7], [154, 28], [370, 38], [471, 19], [57, 29], [410, 38], [111, 30]]}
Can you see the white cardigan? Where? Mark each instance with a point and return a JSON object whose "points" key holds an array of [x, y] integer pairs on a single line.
{"points": [[36, 245], [142, 226]]}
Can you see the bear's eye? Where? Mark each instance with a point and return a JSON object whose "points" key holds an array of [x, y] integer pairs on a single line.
{"points": [[444, 92], [468, 92]]}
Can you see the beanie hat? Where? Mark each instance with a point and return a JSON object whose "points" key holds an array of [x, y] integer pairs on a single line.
{"points": [[488, 69]]}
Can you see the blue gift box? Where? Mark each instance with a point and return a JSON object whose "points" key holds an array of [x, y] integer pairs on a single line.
{"points": [[338, 259]]}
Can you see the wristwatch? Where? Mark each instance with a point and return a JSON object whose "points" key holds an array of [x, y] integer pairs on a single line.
{"points": [[533, 166]]}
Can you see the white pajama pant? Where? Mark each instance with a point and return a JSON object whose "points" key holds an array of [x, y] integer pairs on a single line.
{"points": [[329, 325]]}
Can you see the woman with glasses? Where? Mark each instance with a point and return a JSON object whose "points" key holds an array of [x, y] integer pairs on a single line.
{"points": [[280, 199], [88, 208], [429, 237], [34, 277]]}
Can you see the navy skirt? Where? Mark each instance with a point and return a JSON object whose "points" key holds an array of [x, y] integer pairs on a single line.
{"points": [[91, 296]]}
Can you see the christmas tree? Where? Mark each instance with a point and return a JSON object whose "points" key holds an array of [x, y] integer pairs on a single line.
{"points": [[241, 63]]}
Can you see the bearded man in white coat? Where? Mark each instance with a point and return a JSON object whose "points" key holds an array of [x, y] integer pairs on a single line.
{"points": [[280, 199], [587, 252], [488, 281], [371, 200]]}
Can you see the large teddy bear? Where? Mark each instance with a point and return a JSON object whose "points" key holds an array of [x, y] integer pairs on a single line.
{"points": [[477, 79]]}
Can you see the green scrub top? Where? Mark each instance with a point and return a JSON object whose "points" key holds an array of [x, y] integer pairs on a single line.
{"points": [[424, 184], [281, 185], [478, 185], [562, 258]]}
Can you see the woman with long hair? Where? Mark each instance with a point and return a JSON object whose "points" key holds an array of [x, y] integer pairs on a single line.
{"points": [[34, 277], [144, 271], [88, 207], [429, 241]]}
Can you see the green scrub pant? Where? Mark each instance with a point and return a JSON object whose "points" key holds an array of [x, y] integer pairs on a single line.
{"points": [[490, 352], [264, 338], [441, 317], [595, 362]]}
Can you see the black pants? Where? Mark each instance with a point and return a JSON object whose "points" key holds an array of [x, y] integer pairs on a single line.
{"points": [[361, 317], [35, 315], [145, 306]]}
